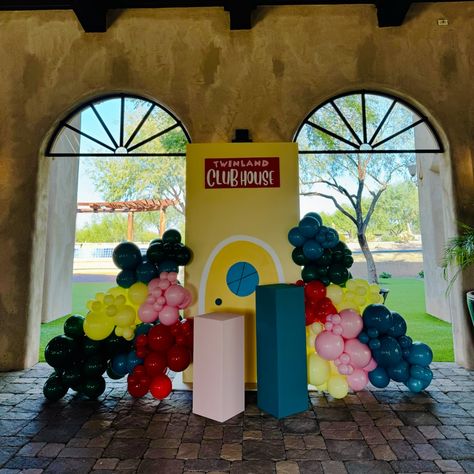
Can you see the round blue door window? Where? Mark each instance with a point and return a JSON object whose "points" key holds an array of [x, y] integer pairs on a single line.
{"points": [[242, 278]]}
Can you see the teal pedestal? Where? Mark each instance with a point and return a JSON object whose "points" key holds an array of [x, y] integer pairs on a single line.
{"points": [[281, 350]]}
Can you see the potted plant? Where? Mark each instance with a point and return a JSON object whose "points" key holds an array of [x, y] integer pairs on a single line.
{"points": [[459, 252]]}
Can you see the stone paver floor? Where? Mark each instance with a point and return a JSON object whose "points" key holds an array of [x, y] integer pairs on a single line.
{"points": [[376, 431]]}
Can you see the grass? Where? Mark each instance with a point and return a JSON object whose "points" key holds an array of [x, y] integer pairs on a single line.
{"points": [[406, 296]]}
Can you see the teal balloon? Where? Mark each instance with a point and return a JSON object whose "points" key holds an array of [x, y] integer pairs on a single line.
{"points": [[145, 272], [363, 337], [74, 326], [142, 328], [389, 353], [92, 388], [132, 361], [156, 252], [372, 332], [399, 372], [298, 256], [54, 389], [422, 373], [72, 377], [114, 375], [416, 385], [119, 364], [316, 216], [312, 250], [61, 352], [420, 354], [377, 316], [295, 237], [309, 273], [374, 344], [398, 327], [325, 281], [127, 256], [338, 274], [172, 236], [405, 342], [332, 238], [168, 266], [309, 226], [126, 278], [379, 377], [94, 366]]}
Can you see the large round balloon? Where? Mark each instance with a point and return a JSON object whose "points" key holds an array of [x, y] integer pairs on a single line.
{"points": [[126, 278], [398, 327], [168, 266], [161, 386], [399, 372], [319, 370], [338, 274], [309, 273], [338, 386], [420, 354], [299, 257], [359, 353], [183, 255], [389, 353], [155, 364], [377, 316], [160, 338], [127, 256], [72, 377], [90, 347], [308, 226], [328, 345], [156, 252], [93, 387], [98, 326], [379, 377], [422, 373], [74, 326], [54, 389], [316, 216], [295, 237], [119, 364], [172, 236], [61, 352], [178, 358], [94, 366], [312, 250], [146, 271], [113, 345]]}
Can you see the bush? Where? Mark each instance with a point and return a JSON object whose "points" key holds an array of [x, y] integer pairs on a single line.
{"points": [[421, 274], [385, 275]]}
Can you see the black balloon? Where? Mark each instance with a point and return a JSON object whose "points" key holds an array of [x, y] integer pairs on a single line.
{"points": [[74, 326], [156, 252], [90, 347], [92, 388], [127, 256], [113, 345], [126, 278], [72, 377], [172, 235], [61, 352], [54, 389], [94, 366]]}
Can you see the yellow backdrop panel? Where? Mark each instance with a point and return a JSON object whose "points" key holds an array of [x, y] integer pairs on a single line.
{"points": [[239, 234]]}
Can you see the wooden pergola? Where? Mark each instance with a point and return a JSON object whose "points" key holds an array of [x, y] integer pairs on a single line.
{"points": [[130, 207]]}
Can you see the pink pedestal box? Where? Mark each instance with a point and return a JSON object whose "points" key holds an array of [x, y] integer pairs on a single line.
{"points": [[218, 366]]}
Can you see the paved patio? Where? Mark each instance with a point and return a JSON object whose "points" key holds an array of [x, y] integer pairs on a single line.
{"points": [[377, 431]]}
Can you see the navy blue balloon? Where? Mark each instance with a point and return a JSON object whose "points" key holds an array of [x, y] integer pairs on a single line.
{"points": [[132, 361], [416, 385], [308, 226], [312, 250], [420, 354], [316, 216], [126, 278], [119, 364], [363, 337], [405, 342], [399, 372], [146, 271], [295, 238], [143, 328], [168, 266], [379, 377], [377, 316], [422, 373], [374, 344], [398, 327], [389, 353]]}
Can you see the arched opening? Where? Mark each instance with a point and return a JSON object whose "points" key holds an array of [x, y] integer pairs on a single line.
{"points": [[378, 161], [131, 151]]}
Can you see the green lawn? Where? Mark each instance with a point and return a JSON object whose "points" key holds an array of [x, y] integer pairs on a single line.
{"points": [[406, 297]]}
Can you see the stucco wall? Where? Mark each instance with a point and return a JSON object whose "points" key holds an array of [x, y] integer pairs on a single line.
{"points": [[215, 80]]}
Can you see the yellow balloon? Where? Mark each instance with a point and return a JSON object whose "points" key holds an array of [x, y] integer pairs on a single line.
{"points": [[322, 388], [319, 370], [138, 293], [98, 326], [351, 285], [334, 293], [128, 333], [116, 290], [99, 296], [125, 316], [120, 300], [316, 328], [119, 331], [111, 310], [338, 386], [96, 306], [310, 343], [109, 299]]}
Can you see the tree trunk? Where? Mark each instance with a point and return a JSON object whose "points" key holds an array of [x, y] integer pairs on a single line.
{"points": [[371, 268]]}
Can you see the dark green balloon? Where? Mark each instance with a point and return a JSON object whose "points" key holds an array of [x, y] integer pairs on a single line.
{"points": [[72, 377], [325, 259], [155, 241], [183, 255], [74, 326], [126, 278], [54, 389], [61, 352], [172, 236], [112, 374], [322, 272], [90, 347], [113, 345], [299, 257], [338, 274], [92, 388], [348, 261], [94, 366], [309, 273], [156, 253], [325, 281], [170, 249], [337, 256], [127, 256], [146, 271]]}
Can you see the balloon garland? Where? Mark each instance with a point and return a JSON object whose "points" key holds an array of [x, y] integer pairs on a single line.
{"points": [[351, 338], [116, 336]]}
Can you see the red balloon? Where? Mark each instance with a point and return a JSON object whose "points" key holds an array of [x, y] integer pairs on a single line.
{"points": [[326, 304], [141, 341], [178, 358], [310, 314], [155, 363], [160, 338], [315, 290], [161, 386], [187, 327], [141, 352], [136, 386], [176, 329], [299, 283], [139, 370]]}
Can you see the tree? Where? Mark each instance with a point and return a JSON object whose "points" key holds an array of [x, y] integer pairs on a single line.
{"points": [[351, 176]]}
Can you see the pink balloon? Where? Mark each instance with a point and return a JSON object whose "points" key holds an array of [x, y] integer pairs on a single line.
{"points": [[164, 275], [161, 300], [164, 284], [153, 284], [371, 365], [343, 369], [357, 380], [147, 313], [175, 295], [169, 315], [359, 353], [328, 345], [336, 319], [156, 292], [157, 307], [187, 301], [351, 323], [172, 277], [344, 358], [337, 329], [150, 300]]}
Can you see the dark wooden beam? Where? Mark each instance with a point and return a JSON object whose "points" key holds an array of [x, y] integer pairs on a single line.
{"points": [[392, 12], [91, 14], [240, 13]]}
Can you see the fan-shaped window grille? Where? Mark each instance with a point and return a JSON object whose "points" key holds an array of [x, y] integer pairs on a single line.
{"points": [[119, 125], [366, 122]]}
